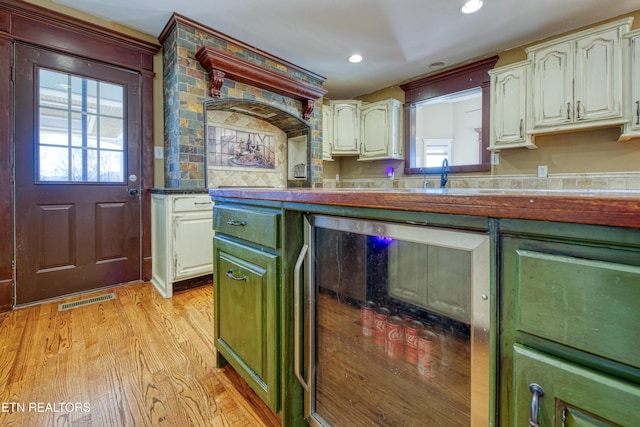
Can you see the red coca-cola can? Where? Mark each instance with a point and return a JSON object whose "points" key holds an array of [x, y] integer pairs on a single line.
{"points": [[366, 317], [426, 352], [394, 342], [380, 319], [411, 330]]}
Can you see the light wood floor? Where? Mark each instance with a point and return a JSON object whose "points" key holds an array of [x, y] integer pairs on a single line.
{"points": [[137, 360]]}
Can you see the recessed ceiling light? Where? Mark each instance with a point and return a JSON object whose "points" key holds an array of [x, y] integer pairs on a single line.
{"points": [[471, 6], [355, 58]]}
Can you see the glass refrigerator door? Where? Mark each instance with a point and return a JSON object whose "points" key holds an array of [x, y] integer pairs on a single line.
{"points": [[400, 324]]}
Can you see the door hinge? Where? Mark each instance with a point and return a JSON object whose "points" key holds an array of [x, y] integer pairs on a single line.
{"points": [[13, 74]]}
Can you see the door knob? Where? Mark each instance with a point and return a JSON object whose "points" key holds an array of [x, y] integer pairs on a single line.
{"points": [[133, 192]]}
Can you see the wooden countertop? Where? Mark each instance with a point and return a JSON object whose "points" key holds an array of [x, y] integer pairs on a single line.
{"points": [[601, 207]]}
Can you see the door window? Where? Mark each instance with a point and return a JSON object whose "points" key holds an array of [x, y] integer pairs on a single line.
{"points": [[81, 129]]}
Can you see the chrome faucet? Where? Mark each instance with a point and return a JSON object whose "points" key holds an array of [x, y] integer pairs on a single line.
{"points": [[425, 183], [444, 173]]}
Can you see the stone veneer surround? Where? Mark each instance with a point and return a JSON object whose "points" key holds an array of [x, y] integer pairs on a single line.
{"points": [[186, 89]]}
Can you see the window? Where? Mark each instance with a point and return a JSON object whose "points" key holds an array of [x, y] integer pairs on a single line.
{"points": [[447, 116], [81, 129], [435, 151]]}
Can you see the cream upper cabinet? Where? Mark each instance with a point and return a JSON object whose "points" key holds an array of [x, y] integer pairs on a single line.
{"points": [[327, 131], [509, 86], [381, 130], [577, 79], [346, 127], [632, 103]]}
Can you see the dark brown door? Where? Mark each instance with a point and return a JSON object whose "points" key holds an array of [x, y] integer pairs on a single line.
{"points": [[77, 169]]}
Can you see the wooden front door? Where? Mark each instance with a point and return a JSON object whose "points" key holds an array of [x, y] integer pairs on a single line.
{"points": [[77, 174]]}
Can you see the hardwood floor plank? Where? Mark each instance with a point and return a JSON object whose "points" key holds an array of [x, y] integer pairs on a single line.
{"points": [[137, 360]]}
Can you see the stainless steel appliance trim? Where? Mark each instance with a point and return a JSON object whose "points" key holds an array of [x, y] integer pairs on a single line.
{"points": [[296, 318]]}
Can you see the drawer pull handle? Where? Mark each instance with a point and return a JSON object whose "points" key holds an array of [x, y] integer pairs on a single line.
{"points": [[231, 276], [236, 223], [537, 392], [202, 203]]}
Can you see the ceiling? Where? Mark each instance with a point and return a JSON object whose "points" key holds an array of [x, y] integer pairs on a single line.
{"points": [[398, 39]]}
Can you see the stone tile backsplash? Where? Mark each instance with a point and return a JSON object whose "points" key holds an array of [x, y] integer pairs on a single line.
{"points": [[580, 181]]}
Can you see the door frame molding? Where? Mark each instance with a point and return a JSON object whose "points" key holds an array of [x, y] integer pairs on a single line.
{"points": [[51, 30]]}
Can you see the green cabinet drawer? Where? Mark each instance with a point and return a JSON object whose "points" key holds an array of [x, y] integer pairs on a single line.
{"points": [[573, 395], [246, 322], [259, 226], [586, 304]]}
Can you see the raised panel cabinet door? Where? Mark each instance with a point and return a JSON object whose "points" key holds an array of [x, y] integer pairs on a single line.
{"points": [[346, 128], [510, 106], [327, 132], [553, 85], [375, 131], [192, 249], [598, 76], [246, 326], [571, 396], [449, 278], [635, 82], [586, 304], [408, 272]]}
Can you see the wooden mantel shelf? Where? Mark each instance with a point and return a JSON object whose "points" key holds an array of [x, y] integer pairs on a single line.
{"points": [[220, 65]]}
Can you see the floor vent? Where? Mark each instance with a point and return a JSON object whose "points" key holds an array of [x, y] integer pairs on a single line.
{"points": [[83, 302]]}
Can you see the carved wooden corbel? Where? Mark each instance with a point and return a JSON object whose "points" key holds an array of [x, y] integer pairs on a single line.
{"points": [[307, 108], [217, 78]]}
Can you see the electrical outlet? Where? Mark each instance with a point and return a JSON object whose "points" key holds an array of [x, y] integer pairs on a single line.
{"points": [[158, 153], [542, 171], [495, 159]]}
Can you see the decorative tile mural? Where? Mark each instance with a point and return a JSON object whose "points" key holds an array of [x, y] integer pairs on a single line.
{"points": [[239, 148], [227, 136]]}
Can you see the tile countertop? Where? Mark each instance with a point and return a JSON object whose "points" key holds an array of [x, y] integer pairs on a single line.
{"points": [[601, 207]]}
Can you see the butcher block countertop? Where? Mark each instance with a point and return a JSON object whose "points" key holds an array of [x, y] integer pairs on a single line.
{"points": [[601, 207]]}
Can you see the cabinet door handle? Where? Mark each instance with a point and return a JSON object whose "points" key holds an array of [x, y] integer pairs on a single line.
{"points": [[521, 128], [568, 111], [296, 317], [578, 109], [638, 112], [536, 393], [232, 276], [236, 223]]}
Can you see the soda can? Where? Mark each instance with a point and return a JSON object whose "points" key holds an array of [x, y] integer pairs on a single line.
{"points": [[394, 342], [426, 352], [366, 318], [411, 330], [380, 319]]}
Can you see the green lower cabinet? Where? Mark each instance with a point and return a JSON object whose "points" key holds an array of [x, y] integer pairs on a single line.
{"points": [[246, 315], [572, 395]]}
